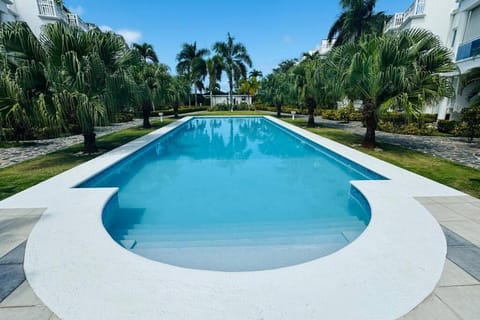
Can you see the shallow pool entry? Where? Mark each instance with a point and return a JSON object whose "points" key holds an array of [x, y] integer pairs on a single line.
{"points": [[234, 194]]}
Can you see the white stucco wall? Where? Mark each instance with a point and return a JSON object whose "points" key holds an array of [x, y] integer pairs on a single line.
{"points": [[6, 14]]}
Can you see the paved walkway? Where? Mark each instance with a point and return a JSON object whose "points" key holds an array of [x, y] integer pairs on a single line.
{"points": [[451, 148], [10, 156]]}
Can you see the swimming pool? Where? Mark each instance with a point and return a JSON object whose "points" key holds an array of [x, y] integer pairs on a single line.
{"points": [[234, 194], [78, 270]]}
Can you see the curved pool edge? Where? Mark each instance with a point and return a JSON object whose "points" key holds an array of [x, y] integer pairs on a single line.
{"points": [[80, 272]]}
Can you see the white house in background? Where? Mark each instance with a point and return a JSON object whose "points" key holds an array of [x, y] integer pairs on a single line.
{"points": [[6, 11], [36, 13], [457, 24], [237, 99], [464, 39], [324, 47], [432, 15]]}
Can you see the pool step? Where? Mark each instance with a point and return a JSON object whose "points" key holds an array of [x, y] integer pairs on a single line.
{"points": [[215, 234], [315, 225], [265, 240], [239, 258]]}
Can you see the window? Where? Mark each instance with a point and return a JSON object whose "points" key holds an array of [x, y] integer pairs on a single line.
{"points": [[454, 37]]}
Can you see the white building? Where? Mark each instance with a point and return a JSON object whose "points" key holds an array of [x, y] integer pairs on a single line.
{"points": [[7, 14], [324, 47], [457, 24], [36, 13], [433, 15], [237, 99], [464, 39]]}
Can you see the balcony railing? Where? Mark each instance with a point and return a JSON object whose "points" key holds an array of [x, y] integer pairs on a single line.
{"points": [[415, 9], [395, 22], [75, 20], [48, 8], [468, 49]]}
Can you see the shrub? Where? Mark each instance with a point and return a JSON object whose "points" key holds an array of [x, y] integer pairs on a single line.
{"points": [[429, 117], [446, 126], [411, 128], [122, 117], [471, 119], [45, 133]]}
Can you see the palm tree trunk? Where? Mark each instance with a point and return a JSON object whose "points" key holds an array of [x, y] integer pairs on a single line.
{"points": [[230, 92], [311, 104], [146, 115], [279, 110], [211, 98], [371, 124], [195, 96], [89, 143], [175, 109]]}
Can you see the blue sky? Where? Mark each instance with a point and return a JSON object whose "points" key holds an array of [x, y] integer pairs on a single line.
{"points": [[272, 31]]}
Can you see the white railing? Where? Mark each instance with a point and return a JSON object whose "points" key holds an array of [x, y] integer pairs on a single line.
{"points": [[48, 8], [395, 22], [416, 8], [74, 19]]}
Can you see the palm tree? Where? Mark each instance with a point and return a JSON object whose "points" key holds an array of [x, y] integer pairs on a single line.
{"points": [[235, 61], [255, 74], [357, 18], [87, 75], [214, 70], [471, 115], [146, 51], [192, 66], [471, 79], [178, 90], [391, 71], [24, 87]]}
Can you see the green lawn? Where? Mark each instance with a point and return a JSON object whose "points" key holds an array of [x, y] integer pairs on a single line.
{"points": [[455, 175], [24, 175]]}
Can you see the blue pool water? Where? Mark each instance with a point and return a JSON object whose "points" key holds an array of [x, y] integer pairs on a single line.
{"points": [[234, 194]]}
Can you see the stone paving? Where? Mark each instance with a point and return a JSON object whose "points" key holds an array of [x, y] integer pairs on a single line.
{"points": [[451, 148], [9, 156]]}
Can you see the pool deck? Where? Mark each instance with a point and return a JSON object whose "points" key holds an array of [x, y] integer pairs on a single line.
{"points": [[456, 297]]}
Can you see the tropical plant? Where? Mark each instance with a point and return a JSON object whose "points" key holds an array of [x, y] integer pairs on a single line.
{"points": [[357, 18], [146, 51], [214, 70], [177, 92], [89, 75], [192, 66], [152, 81], [24, 87], [471, 119], [471, 80], [471, 115], [392, 71], [235, 61]]}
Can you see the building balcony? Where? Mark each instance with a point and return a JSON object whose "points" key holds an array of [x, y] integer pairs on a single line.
{"points": [[468, 49], [50, 10], [417, 8], [75, 20]]}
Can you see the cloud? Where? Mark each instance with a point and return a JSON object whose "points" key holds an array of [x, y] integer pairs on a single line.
{"points": [[78, 10], [129, 35], [105, 28], [287, 38]]}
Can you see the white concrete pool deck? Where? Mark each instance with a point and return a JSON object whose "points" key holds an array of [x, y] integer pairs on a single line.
{"points": [[79, 272]]}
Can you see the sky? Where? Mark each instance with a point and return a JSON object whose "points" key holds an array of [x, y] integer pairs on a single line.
{"points": [[271, 30]]}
